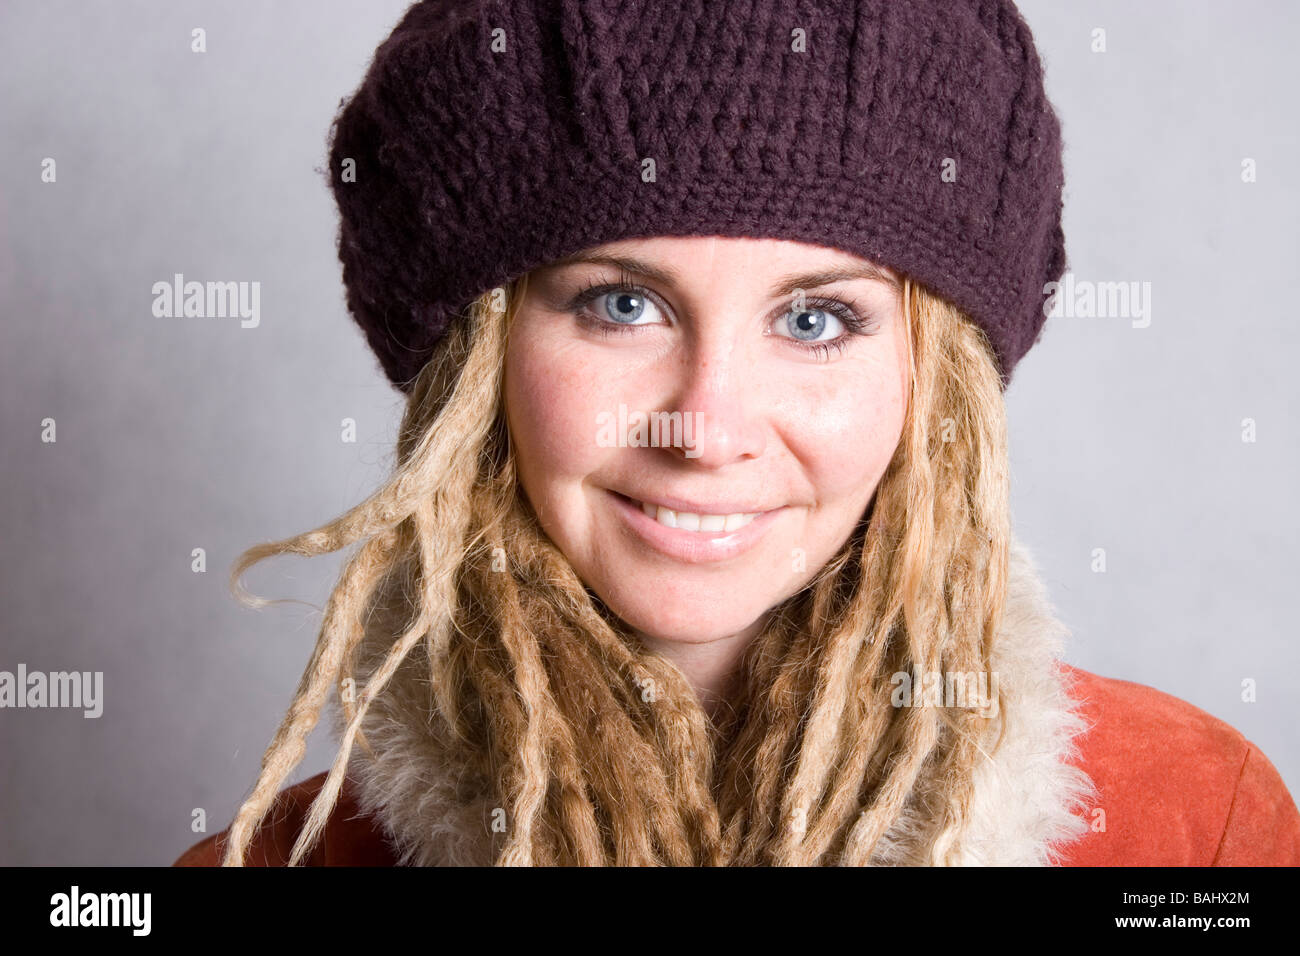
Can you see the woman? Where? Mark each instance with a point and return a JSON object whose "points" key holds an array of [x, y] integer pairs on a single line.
{"points": [[698, 549]]}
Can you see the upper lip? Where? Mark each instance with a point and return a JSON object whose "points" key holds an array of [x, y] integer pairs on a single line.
{"points": [[695, 507]]}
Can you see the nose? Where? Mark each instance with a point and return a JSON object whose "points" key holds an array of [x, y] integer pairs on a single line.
{"points": [[717, 386]]}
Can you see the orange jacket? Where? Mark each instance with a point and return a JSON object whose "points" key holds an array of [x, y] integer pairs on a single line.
{"points": [[1176, 786]]}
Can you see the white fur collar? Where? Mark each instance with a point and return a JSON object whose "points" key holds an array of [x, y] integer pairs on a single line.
{"points": [[1025, 807]]}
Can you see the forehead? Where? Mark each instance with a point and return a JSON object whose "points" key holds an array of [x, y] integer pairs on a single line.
{"points": [[669, 258]]}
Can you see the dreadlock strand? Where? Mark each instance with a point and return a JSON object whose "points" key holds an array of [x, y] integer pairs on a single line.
{"points": [[289, 744]]}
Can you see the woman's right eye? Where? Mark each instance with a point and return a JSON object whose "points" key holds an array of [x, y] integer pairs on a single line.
{"points": [[615, 309]]}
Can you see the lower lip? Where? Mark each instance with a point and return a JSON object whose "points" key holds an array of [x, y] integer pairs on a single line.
{"points": [[693, 547]]}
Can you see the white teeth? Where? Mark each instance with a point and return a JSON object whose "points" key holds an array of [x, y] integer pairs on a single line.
{"points": [[737, 521], [689, 521]]}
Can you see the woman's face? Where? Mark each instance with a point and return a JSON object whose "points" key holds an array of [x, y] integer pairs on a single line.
{"points": [[782, 410]]}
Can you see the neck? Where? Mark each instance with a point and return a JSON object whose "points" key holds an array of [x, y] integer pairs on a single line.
{"points": [[711, 667]]}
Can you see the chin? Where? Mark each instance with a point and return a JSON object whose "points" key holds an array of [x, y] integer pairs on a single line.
{"points": [[686, 626]]}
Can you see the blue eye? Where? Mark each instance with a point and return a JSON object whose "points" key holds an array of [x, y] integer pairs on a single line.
{"points": [[613, 308], [808, 324], [624, 306]]}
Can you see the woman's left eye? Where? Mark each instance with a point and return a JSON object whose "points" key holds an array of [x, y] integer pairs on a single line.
{"points": [[808, 323]]}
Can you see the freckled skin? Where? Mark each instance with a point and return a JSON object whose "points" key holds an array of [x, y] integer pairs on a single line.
{"points": [[774, 423]]}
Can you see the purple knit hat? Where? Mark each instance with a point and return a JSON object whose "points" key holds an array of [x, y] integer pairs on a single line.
{"points": [[490, 137]]}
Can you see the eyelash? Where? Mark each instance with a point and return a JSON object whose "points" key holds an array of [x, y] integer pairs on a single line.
{"points": [[849, 312]]}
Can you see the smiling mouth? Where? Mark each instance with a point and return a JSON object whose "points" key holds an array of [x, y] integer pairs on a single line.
{"points": [[693, 521]]}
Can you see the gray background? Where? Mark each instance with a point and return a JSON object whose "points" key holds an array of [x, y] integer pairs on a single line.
{"points": [[183, 433]]}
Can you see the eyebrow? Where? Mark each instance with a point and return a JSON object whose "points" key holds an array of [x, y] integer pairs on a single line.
{"points": [[785, 286]]}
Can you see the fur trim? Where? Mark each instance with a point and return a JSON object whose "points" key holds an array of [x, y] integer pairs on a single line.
{"points": [[1027, 795], [1023, 810]]}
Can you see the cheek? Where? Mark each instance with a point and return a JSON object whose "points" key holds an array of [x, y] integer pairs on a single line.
{"points": [[845, 427], [551, 407]]}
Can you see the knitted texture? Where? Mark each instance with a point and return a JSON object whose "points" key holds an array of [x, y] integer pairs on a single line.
{"points": [[489, 138]]}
